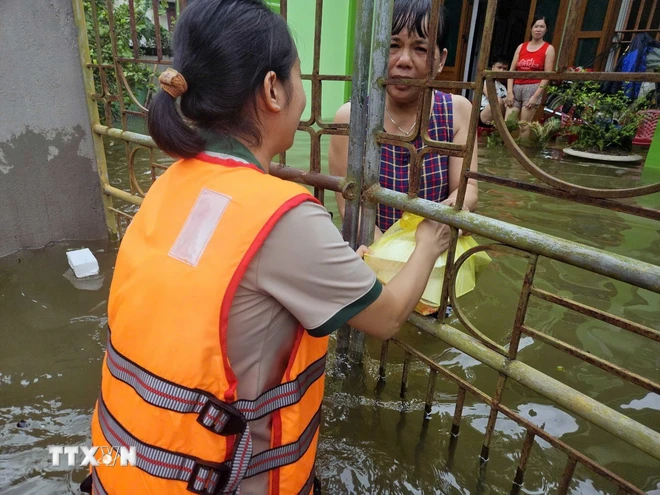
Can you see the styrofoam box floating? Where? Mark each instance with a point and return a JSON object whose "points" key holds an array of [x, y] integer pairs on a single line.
{"points": [[83, 263]]}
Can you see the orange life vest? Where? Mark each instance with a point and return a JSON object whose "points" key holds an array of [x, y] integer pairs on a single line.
{"points": [[168, 388]]}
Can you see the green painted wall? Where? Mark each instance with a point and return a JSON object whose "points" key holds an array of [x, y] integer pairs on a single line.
{"points": [[336, 57]]}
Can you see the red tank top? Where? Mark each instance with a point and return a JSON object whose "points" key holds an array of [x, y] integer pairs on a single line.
{"points": [[531, 61]]}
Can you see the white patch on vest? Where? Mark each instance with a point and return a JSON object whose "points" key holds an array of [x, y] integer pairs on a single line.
{"points": [[199, 227]]}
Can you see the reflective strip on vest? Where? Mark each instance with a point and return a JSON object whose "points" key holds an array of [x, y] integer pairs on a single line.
{"points": [[203, 476], [162, 393], [98, 488], [285, 454]]}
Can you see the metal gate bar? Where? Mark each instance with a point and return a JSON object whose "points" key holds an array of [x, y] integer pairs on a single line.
{"points": [[573, 455]]}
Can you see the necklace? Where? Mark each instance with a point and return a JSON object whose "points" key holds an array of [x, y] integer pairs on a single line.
{"points": [[397, 125]]}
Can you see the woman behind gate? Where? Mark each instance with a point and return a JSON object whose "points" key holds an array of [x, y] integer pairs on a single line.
{"points": [[229, 280], [450, 116]]}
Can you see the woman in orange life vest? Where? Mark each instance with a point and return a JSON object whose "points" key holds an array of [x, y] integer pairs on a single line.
{"points": [[525, 95], [229, 280]]}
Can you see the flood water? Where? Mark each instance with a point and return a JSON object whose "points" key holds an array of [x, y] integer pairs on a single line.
{"points": [[52, 329]]}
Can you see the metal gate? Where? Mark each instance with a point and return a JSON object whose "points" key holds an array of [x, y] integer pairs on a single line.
{"points": [[108, 84]]}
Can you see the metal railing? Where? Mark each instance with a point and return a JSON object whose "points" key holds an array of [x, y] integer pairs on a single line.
{"points": [[363, 193]]}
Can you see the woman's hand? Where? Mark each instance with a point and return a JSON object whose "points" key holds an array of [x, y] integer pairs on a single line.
{"points": [[362, 250], [451, 201], [508, 101], [533, 102], [433, 237]]}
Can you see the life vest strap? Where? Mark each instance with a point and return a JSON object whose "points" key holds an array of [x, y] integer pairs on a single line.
{"points": [[204, 477], [310, 483], [97, 486], [217, 416], [285, 454], [307, 487]]}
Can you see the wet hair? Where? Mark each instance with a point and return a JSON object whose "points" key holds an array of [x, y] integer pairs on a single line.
{"points": [[541, 18], [224, 49], [415, 15], [500, 59]]}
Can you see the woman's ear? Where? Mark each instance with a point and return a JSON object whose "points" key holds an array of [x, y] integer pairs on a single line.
{"points": [[442, 59], [271, 93]]}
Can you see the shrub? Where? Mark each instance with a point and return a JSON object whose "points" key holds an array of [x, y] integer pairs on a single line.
{"points": [[140, 77], [541, 134], [602, 122], [494, 138]]}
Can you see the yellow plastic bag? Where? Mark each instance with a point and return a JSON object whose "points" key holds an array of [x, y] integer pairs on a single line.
{"points": [[394, 248]]}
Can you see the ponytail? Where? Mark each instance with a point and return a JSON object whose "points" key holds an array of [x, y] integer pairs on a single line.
{"points": [[169, 131]]}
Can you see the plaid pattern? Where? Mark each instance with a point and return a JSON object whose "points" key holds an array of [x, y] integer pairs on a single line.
{"points": [[395, 161]]}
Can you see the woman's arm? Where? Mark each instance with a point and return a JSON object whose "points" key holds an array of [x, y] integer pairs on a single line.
{"points": [[338, 158], [312, 272], [385, 316], [549, 66], [338, 153], [509, 82], [462, 110]]}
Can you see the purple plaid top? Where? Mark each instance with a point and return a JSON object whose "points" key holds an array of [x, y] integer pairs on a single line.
{"points": [[395, 161]]}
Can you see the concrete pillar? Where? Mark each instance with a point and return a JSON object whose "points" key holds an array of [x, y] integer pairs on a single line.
{"points": [[49, 186]]}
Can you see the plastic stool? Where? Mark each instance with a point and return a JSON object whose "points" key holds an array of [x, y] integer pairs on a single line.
{"points": [[646, 129], [484, 131]]}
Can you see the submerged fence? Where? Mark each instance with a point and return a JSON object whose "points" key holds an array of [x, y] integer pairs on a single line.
{"points": [[118, 57]]}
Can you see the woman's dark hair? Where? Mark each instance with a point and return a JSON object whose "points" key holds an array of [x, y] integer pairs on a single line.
{"points": [[541, 18], [500, 59], [223, 49], [415, 15]]}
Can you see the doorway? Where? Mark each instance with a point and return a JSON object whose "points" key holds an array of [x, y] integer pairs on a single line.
{"points": [[510, 27]]}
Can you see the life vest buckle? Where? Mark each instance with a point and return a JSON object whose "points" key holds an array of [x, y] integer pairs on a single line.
{"points": [[221, 418], [208, 478]]}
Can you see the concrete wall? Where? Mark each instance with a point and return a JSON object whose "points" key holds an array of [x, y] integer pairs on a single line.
{"points": [[49, 189]]}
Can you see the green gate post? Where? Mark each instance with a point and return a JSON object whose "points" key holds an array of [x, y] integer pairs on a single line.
{"points": [[361, 17], [374, 122]]}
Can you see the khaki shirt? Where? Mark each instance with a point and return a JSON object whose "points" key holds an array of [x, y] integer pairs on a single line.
{"points": [[304, 272]]}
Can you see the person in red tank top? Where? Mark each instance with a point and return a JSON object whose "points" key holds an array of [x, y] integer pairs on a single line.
{"points": [[525, 95]]}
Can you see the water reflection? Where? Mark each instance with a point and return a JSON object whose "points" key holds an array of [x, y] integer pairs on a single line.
{"points": [[649, 401]]}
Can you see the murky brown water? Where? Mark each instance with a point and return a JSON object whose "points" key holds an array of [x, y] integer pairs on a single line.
{"points": [[52, 334]]}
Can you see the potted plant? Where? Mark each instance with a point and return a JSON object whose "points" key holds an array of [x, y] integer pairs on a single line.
{"points": [[604, 124]]}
